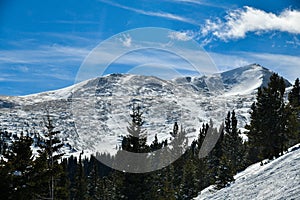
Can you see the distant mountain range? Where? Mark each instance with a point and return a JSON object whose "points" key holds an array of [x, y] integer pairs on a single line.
{"points": [[96, 112]]}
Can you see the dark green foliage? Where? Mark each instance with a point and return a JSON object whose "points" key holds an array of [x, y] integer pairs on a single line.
{"points": [[233, 146], [270, 127], [136, 140], [80, 189], [6, 179], [294, 95], [50, 172], [294, 101], [224, 173], [5, 139], [188, 186], [133, 186], [220, 169], [20, 168]]}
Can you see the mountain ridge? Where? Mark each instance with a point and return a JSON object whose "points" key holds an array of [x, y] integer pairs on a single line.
{"points": [[102, 105], [185, 79]]}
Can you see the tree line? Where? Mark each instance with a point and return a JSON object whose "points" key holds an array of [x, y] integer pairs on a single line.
{"points": [[274, 127]]}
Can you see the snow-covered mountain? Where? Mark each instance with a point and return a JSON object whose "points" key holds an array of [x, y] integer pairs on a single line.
{"points": [[278, 179], [94, 113]]}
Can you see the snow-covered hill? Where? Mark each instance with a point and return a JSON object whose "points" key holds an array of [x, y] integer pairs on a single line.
{"points": [[94, 113], [279, 179]]}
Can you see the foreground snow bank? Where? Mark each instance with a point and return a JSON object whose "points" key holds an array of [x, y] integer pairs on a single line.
{"points": [[279, 179]]}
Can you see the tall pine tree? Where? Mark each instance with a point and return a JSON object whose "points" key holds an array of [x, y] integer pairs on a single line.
{"points": [[20, 168], [294, 95], [269, 126], [135, 142], [233, 144], [50, 171], [294, 101]]}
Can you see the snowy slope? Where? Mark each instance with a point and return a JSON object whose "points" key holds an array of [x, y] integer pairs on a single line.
{"points": [[279, 179], [96, 112]]}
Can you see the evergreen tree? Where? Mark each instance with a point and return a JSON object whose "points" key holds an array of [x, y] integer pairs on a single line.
{"points": [[220, 171], [136, 141], [47, 164], [233, 144], [294, 102], [19, 166], [188, 186], [166, 188], [202, 169], [6, 179], [224, 173], [63, 183], [155, 144], [80, 181], [5, 139], [294, 95], [202, 134], [93, 180], [268, 124]]}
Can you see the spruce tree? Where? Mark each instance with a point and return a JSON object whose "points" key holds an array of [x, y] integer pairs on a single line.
{"points": [[93, 180], [5, 139], [135, 142], [294, 102], [80, 180], [203, 179], [220, 171], [268, 123], [294, 95], [233, 144], [188, 186], [63, 183], [20, 169], [50, 171]]}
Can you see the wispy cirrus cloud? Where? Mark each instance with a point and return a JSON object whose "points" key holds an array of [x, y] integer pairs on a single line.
{"points": [[71, 22], [200, 3], [57, 62], [165, 15], [43, 55], [237, 23]]}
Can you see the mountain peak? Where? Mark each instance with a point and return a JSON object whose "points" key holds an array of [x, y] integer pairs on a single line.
{"points": [[252, 71], [258, 67]]}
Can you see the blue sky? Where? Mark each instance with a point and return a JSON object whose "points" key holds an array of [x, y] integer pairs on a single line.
{"points": [[43, 43]]}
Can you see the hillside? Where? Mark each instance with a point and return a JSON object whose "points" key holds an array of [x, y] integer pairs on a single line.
{"points": [[278, 179]]}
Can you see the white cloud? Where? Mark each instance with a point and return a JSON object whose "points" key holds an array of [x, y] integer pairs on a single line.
{"points": [[43, 55], [201, 3], [238, 23], [54, 61], [295, 42], [21, 68], [126, 40], [226, 62], [152, 13], [181, 36]]}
